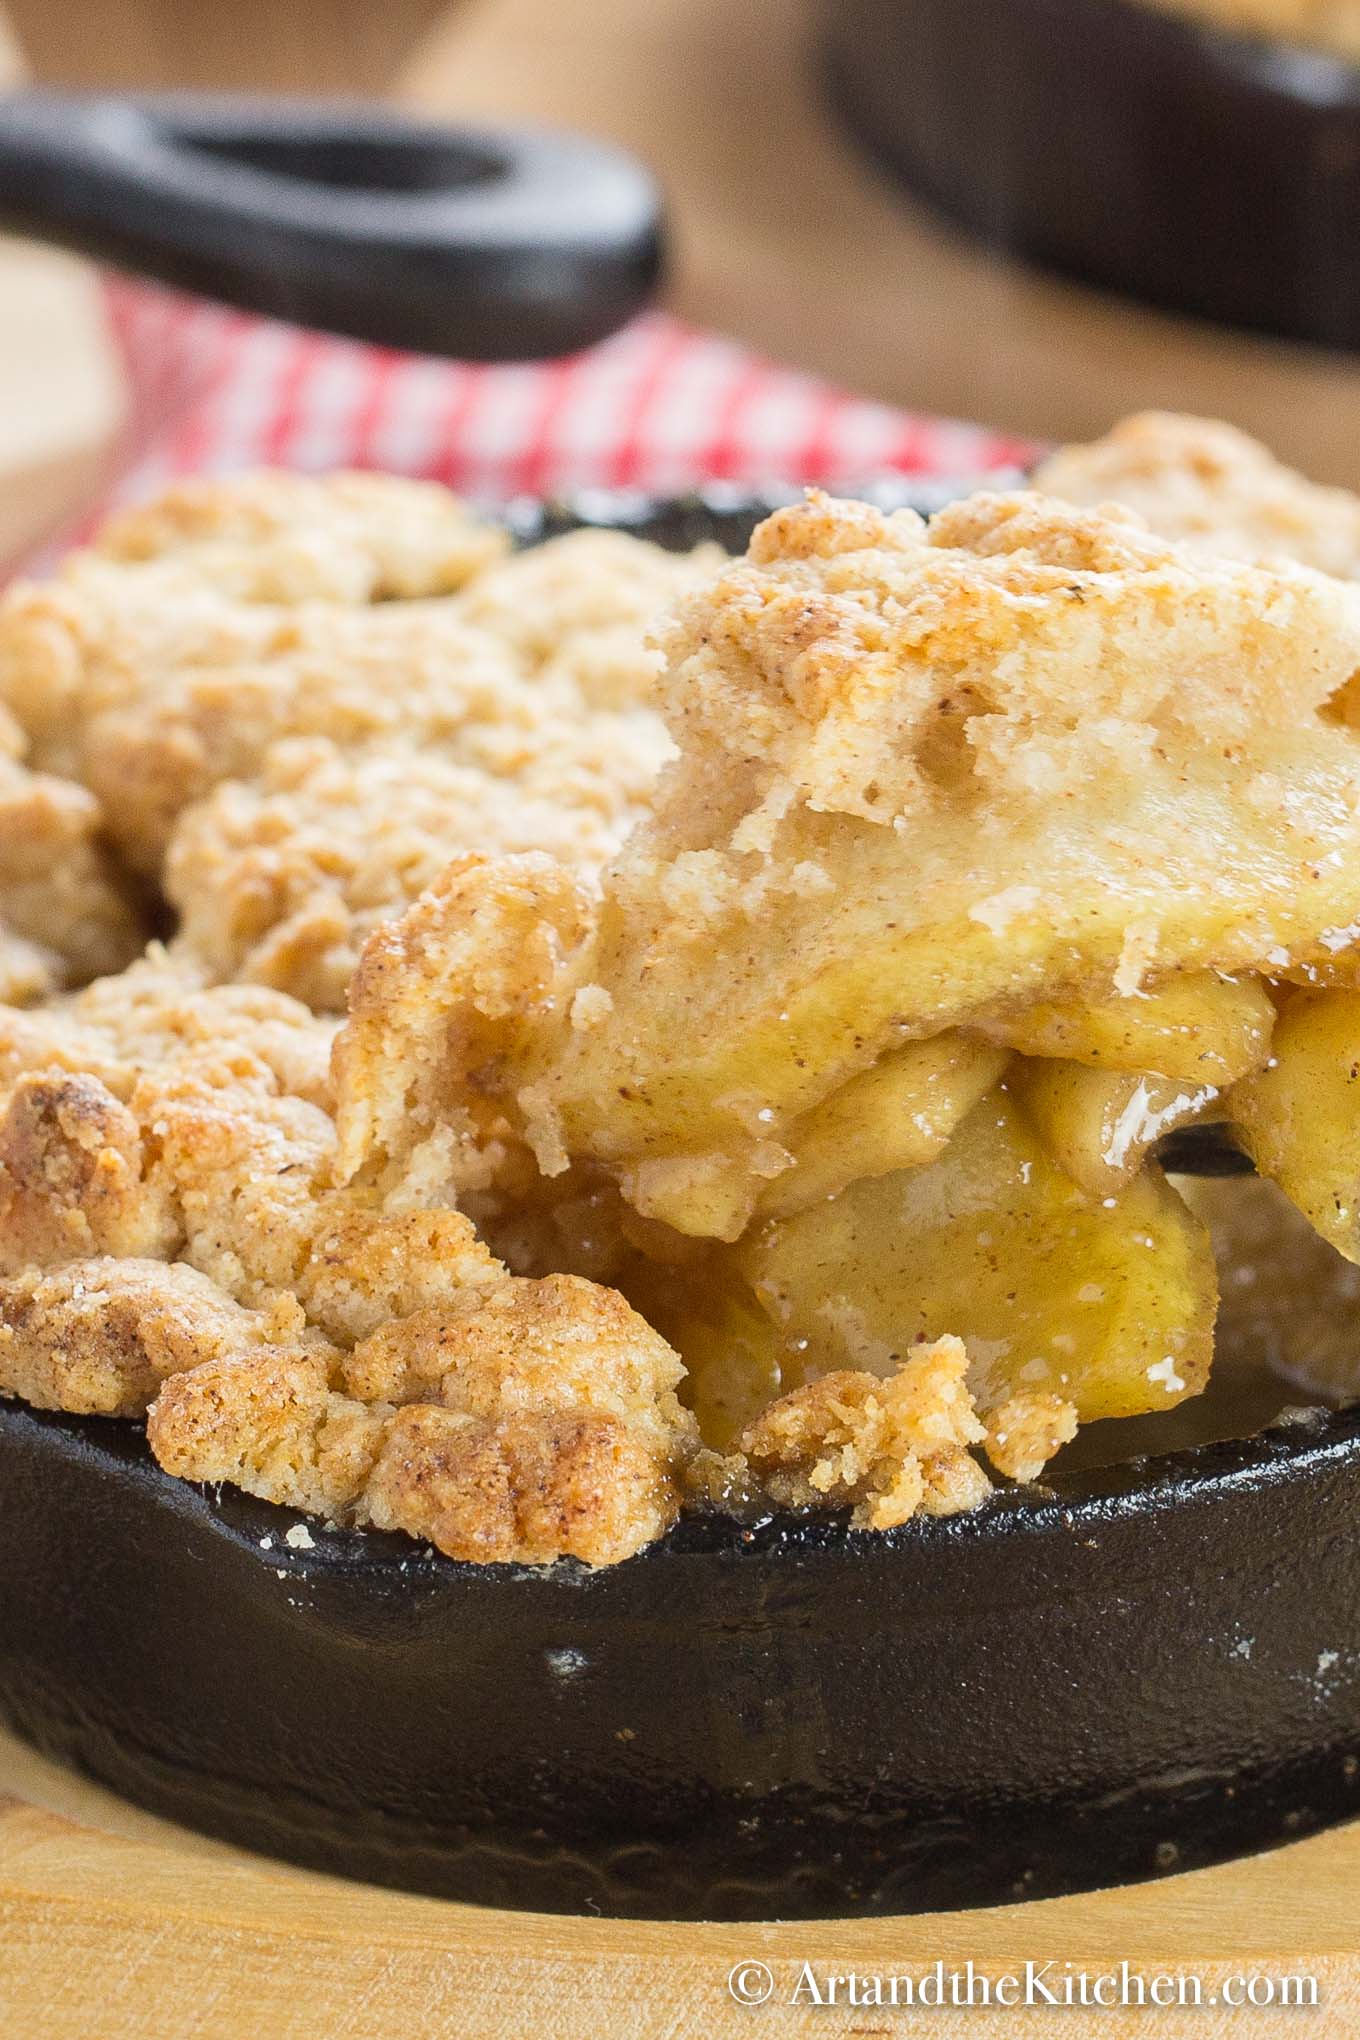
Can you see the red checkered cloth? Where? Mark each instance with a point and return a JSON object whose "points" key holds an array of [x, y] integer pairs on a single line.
{"points": [[659, 407]]}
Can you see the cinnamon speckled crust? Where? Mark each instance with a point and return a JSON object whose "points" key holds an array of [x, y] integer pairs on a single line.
{"points": [[283, 538], [152, 695], [172, 1223], [72, 1175], [1212, 488], [536, 1420], [66, 913], [271, 1425], [526, 1488], [530, 1345], [582, 608], [213, 626], [442, 1001], [891, 1449], [280, 880], [99, 1336], [298, 701], [171, 1227], [288, 702]]}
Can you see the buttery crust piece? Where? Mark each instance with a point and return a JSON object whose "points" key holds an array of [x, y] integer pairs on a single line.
{"points": [[444, 999], [99, 1336], [283, 538], [152, 695], [1025, 1432], [582, 608], [1212, 488], [155, 673], [65, 915], [533, 1420], [930, 777]]}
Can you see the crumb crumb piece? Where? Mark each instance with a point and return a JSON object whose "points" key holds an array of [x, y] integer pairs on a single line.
{"points": [[891, 1448], [300, 1538], [1024, 1433]]}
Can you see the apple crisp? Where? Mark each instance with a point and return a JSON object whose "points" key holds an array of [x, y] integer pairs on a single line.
{"points": [[628, 1032]]}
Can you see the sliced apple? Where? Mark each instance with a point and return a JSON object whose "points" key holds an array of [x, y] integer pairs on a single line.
{"points": [[1300, 1119], [1099, 1124], [1198, 1027], [1106, 1302]]}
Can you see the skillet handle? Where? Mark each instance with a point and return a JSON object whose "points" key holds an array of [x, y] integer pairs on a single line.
{"points": [[482, 243]]}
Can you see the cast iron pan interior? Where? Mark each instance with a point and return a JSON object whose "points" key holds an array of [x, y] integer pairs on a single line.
{"points": [[1140, 1668], [1210, 173]]}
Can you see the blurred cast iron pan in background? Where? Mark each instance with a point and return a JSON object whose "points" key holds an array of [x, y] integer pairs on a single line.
{"points": [[1202, 171], [481, 243], [1135, 1669]]}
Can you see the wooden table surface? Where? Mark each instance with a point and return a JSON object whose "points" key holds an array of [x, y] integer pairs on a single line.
{"points": [[113, 1924]]}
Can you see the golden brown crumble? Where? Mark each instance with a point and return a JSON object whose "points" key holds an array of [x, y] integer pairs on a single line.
{"points": [[1210, 487], [243, 675], [279, 880], [772, 1132], [296, 723], [1026, 1431], [579, 608], [891, 1448], [284, 538]]}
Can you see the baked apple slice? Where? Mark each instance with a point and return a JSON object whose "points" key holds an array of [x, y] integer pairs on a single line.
{"points": [[1300, 1118], [1107, 1303]]}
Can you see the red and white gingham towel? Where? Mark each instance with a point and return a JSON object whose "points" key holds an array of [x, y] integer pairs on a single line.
{"points": [[658, 407]]}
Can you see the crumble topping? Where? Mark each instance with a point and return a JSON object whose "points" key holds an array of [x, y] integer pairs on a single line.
{"points": [[1212, 488], [241, 677], [285, 538], [757, 1018]]}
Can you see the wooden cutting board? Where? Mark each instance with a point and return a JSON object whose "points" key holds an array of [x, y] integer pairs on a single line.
{"points": [[117, 1926], [62, 398]]}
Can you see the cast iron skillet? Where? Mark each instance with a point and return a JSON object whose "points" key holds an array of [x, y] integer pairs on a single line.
{"points": [[1134, 1670], [485, 243], [1210, 173]]}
